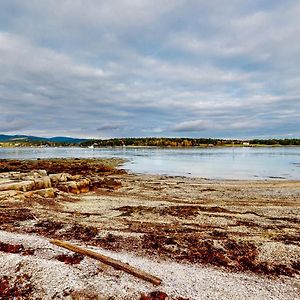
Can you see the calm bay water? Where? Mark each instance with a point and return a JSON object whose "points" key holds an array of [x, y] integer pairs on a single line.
{"points": [[218, 163]]}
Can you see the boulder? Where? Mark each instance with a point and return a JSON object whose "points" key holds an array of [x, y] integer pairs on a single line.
{"points": [[106, 183], [75, 187], [23, 186], [69, 187], [42, 172], [10, 175], [45, 193], [7, 195], [59, 177], [32, 175], [83, 185], [42, 183]]}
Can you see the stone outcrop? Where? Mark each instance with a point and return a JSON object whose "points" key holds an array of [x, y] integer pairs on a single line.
{"points": [[60, 177], [38, 183], [11, 194], [45, 193], [43, 182], [75, 187], [23, 186]]}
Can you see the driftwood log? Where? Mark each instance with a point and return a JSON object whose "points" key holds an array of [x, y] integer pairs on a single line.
{"points": [[108, 261]]}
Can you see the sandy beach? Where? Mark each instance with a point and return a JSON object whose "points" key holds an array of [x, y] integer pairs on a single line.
{"points": [[206, 239]]}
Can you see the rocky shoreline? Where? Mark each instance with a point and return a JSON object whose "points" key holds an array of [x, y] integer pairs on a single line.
{"points": [[240, 227], [49, 178]]}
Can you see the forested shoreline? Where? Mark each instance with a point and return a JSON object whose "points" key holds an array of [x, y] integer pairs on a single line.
{"points": [[28, 141], [188, 142]]}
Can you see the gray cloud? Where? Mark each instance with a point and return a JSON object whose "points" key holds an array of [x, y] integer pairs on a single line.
{"points": [[177, 68], [187, 126], [8, 126], [112, 126]]}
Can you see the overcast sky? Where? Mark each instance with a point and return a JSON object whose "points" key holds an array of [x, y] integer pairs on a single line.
{"points": [[198, 68]]}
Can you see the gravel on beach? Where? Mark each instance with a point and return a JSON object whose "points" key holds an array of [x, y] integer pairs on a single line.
{"points": [[49, 278]]}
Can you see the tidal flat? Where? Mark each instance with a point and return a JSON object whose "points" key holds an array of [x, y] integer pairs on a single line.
{"points": [[226, 239]]}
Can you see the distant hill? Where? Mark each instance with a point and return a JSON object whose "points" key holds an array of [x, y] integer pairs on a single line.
{"points": [[29, 138]]}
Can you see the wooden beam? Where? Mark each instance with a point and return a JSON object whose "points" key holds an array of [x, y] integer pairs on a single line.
{"points": [[109, 261]]}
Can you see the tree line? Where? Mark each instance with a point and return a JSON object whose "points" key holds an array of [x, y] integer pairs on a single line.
{"points": [[187, 142]]}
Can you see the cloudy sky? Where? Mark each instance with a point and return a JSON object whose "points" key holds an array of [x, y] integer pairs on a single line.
{"points": [[197, 68]]}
